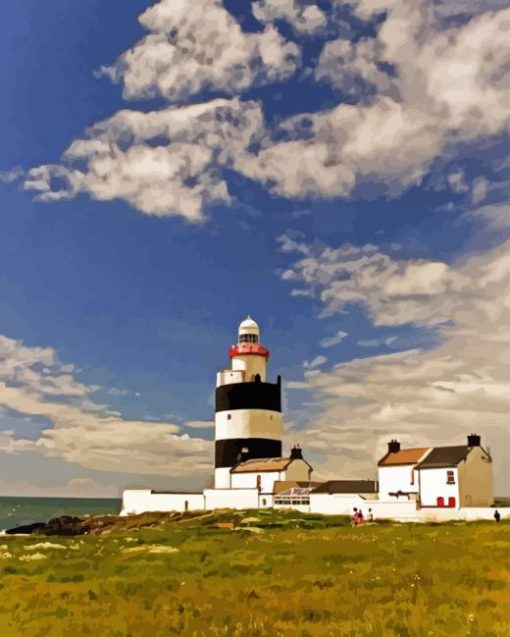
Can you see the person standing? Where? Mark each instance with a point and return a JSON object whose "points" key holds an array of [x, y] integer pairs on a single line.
{"points": [[370, 517], [354, 517], [497, 515]]}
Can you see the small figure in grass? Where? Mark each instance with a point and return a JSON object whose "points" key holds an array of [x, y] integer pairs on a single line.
{"points": [[370, 517], [361, 519], [354, 517], [497, 515]]}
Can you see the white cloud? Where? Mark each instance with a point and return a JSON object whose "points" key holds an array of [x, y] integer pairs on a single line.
{"points": [[199, 424], [305, 18], [495, 216], [447, 86], [423, 90], [423, 397], [377, 342], [176, 177], [8, 176], [82, 431], [394, 292], [329, 341], [316, 362], [76, 487], [197, 46]]}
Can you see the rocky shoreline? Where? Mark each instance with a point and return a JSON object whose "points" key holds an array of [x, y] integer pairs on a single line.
{"points": [[68, 525]]}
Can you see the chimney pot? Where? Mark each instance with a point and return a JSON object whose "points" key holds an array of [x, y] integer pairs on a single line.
{"points": [[393, 446], [474, 440], [296, 453]]}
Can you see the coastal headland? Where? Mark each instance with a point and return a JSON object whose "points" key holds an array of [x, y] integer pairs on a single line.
{"points": [[256, 573]]}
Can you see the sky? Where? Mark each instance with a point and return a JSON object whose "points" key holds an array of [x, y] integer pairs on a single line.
{"points": [[339, 171]]}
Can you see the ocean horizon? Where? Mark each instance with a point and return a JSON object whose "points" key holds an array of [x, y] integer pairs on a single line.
{"points": [[17, 511]]}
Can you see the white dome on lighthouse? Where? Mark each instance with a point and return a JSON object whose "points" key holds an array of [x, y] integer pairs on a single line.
{"points": [[248, 326]]}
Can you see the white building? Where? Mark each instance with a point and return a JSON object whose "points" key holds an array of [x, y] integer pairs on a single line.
{"points": [[397, 472], [250, 471], [453, 477]]}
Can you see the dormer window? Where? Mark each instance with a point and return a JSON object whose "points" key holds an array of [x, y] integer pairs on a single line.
{"points": [[450, 477]]}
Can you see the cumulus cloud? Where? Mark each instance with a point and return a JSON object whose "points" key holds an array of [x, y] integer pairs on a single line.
{"points": [[418, 88], [304, 18], [82, 431], [163, 162], [423, 397], [433, 88], [394, 292], [192, 47]]}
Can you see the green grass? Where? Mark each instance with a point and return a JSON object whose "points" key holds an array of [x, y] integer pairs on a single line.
{"points": [[289, 575]]}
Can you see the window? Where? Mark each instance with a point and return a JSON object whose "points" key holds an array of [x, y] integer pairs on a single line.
{"points": [[440, 502], [451, 503], [264, 502], [450, 477], [259, 482], [229, 416], [412, 476], [248, 338]]}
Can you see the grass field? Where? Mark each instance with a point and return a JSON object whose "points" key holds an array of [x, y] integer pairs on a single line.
{"points": [[289, 575]]}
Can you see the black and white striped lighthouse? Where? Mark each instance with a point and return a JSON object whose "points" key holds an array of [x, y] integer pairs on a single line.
{"points": [[248, 419]]}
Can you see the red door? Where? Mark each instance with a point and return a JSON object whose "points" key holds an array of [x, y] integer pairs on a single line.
{"points": [[440, 502], [451, 503]]}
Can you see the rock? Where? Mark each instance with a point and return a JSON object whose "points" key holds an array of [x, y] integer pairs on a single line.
{"points": [[25, 529], [65, 525]]}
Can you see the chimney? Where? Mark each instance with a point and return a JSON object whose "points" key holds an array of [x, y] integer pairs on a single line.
{"points": [[296, 453], [474, 440], [393, 446]]}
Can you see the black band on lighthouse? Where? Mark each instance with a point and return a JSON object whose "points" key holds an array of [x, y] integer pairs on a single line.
{"points": [[249, 396], [228, 452]]}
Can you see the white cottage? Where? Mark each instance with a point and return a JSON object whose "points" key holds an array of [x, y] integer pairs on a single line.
{"points": [[438, 477], [459, 476], [397, 472], [262, 474]]}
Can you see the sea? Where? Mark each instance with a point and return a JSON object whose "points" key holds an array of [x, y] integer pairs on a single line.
{"points": [[19, 511]]}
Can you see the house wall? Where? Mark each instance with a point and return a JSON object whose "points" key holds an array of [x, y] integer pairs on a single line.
{"points": [[335, 503], [476, 479], [248, 480], [302, 508], [141, 500], [433, 484], [396, 478], [298, 471], [465, 513], [231, 499], [401, 510]]}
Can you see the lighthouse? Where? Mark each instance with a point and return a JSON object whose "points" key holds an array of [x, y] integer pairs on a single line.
{"points": [[248, 415]]}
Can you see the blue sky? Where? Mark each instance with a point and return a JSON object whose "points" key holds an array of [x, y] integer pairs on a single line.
{"points": [[345, 186]]}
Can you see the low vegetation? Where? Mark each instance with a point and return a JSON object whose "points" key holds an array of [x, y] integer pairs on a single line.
{"points": [[257, 574]]}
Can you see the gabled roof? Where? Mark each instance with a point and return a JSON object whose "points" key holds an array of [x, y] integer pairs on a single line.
{"points": [[259, 465], [347, 486], [444, 457], [403, 457]]}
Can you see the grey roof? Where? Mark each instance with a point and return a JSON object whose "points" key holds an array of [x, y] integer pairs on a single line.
{"points": [[444, 457], [347, 486]]}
